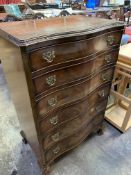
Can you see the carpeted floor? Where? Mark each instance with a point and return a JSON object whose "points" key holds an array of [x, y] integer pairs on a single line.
{"points": [[109, 154]]}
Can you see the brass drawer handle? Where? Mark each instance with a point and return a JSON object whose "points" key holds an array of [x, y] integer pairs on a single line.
{"points": [[101, 93], [49, 56], [54, 120], [94, 109], [104, 77], [56, 150], [52, 102], [51, 80], [56, 137], [110, 40], [108, 59]]}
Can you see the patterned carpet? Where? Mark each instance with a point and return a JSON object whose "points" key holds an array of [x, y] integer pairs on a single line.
{"points": [[109, 154]]}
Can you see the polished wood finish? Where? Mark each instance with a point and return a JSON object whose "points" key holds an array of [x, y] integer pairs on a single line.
{"points": [[63, 114], [73, 140], [68, 128], [72, 51], [53, 31], [73, 72], [73, 92], [68, 65]]}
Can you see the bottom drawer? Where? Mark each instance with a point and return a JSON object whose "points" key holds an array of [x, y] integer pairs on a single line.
{"points": [[74, 140], [68, 128]]}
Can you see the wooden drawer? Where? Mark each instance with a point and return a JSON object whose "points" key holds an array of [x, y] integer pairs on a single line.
{"points": [[61, 76], [53, 120], [74, 92], [68, 128], [74, 140], [59, 54]]}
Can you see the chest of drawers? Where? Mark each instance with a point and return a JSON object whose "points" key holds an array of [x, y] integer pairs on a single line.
{"points": [[59, 73]]}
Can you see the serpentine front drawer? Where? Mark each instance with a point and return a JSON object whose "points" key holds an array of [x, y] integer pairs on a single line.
{"points": [[64, 53]]}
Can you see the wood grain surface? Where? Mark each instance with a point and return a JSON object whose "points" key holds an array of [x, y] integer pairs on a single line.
{"points": [[68, 65]]}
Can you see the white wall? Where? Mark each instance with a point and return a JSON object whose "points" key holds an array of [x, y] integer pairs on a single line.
{"points": [[121, 2]]}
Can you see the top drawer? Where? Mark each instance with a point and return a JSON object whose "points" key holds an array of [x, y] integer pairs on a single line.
{"points": [[74, 50]]}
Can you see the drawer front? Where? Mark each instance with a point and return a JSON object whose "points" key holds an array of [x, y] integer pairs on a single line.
{"points": [[66, 114], [73, 93], [72, 51], [59, 77], [70, 127], [74, 140]]}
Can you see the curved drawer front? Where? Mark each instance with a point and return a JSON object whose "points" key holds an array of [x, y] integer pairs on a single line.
{"points": [[58, 117], [72, 51], [72, 141], [70, 127], [73, 93], [73, 73]]}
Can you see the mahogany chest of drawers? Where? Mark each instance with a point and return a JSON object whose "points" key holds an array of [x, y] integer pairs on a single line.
{"points": [[59, 72]]}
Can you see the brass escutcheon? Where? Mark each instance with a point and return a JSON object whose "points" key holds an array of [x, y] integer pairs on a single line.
{"points": [[49, 56], [56, 137], [56, 150], [104, 77], [51, 80], [108, 58], [52, 102], [54, 120], [101, 93], [110, 40]]}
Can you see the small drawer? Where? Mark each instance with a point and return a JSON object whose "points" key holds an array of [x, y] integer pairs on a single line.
{"points": [[60, 116], [74, 92], [73, 141], [99, 94], [60, 54], [74, 110], [68, 128], [64, 76]]}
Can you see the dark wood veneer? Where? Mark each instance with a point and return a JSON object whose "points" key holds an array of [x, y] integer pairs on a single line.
{"points": [[68, 128], [75, 72], [73, 109], [74, 92], [74, 140], [73, 51], [66, 65]]}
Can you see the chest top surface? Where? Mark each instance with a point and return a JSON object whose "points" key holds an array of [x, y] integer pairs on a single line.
{"points": [[28, 32]]}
